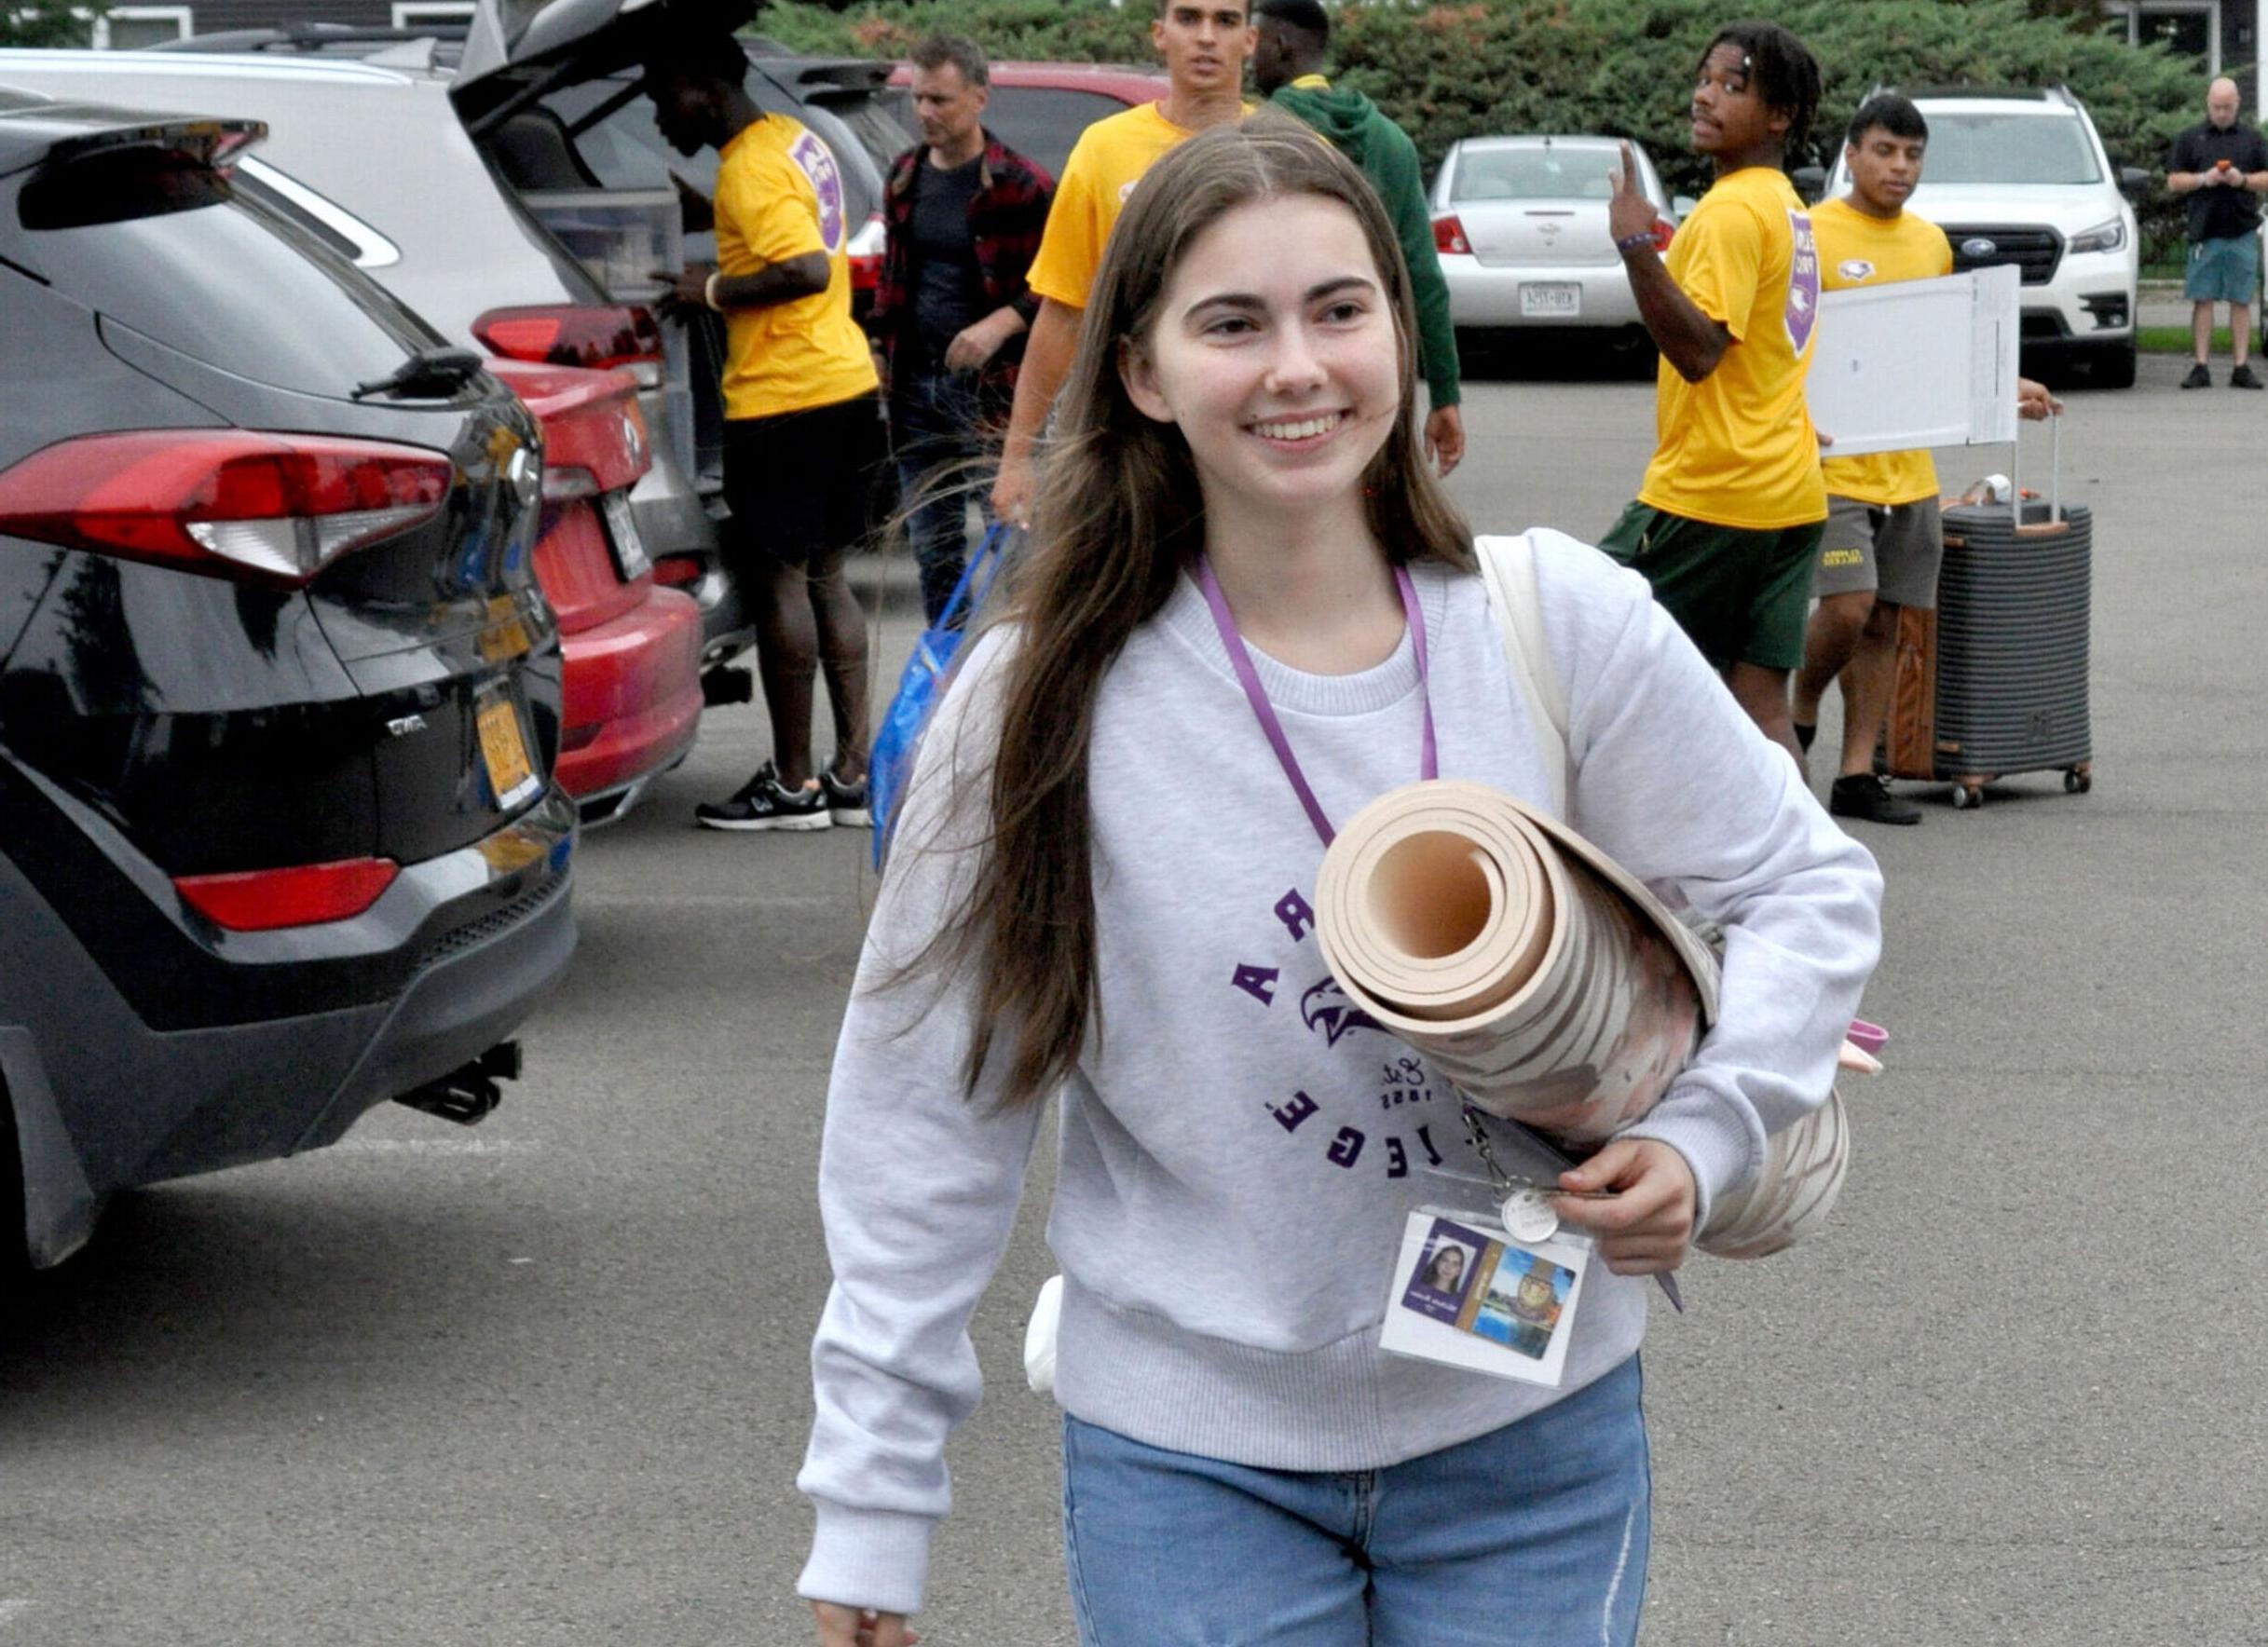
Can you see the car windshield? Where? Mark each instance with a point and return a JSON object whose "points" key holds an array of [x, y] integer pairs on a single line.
{"points": [[2009, 149], [1535, 174]]}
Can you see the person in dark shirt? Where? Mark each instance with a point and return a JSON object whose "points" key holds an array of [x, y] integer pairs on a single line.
{"points": [[2221, 166], [951, 309], [1287, 71]]}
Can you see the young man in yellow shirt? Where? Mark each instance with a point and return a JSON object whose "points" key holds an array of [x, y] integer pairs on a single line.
{"points": [[803, 422], [1204, 44], [1884, 540], [1728, 520]]}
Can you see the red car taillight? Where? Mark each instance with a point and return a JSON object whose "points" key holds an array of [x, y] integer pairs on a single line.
{"points": [[865, 252], [1663, 229], [226, 503], [678, 571], [1449, 237], [305, 894], [573, 334]]}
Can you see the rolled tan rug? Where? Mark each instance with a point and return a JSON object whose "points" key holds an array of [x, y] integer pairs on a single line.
{"points": [[1545, 981]]}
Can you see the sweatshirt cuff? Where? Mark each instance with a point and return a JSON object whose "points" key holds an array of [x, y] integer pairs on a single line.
{"points": [[874, 1559], [1712, 1135], [1448, 392]]}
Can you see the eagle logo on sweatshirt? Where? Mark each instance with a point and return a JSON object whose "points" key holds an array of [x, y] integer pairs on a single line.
{"points": [[1326, 1010]]}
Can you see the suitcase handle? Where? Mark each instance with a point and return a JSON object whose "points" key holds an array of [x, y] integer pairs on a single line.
{"points": [[2055, 478]]}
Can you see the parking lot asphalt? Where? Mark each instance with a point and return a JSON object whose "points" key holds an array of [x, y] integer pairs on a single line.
{"points": [[545, 1382]]}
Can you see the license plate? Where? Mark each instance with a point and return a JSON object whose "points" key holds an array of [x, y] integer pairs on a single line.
{"points": [[630, 557], [1555, 298], [510, 777]]}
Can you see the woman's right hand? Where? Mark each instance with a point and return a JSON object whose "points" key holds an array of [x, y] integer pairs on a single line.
{"points": [[858, 1626]]}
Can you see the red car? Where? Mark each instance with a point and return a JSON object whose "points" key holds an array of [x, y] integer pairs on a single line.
{"points": [[1039, 109], [631, 693]]}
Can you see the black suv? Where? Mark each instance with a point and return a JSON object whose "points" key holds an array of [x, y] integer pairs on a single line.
{"points": [[279, 694]]}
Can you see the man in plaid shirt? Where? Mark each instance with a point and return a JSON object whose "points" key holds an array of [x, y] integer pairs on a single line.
{"points": [[951, 309]]}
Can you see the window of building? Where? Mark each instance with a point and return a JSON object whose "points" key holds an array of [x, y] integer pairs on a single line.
{"points": [[2191, 27], [410, 14], [130, 28]]}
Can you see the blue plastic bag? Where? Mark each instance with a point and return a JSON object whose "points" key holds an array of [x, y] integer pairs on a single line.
{"points": [[897, 738]]}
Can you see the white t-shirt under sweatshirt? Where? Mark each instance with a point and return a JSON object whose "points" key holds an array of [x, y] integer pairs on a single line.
{"points": [[1240, 1149]]}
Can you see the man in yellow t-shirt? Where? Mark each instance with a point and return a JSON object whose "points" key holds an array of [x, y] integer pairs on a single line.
{"points": [[1883, 541], [1728, 520], [1204, 44], [803, 422]]}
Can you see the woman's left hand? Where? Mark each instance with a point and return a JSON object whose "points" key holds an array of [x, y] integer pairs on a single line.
{"points": [[1646, 1226]]}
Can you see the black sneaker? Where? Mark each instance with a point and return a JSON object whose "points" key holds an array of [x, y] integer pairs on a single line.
{"points": [[760, 803], [1866, 796], [2199, 378], [2242, 378], [846, 803]]}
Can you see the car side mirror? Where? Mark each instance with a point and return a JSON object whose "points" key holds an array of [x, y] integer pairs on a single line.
{"points": [[1683, 207], [1811, 180], [2133, 182]]}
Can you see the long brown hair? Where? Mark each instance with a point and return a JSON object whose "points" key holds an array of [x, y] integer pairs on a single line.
{"points": [[1117, 515]]}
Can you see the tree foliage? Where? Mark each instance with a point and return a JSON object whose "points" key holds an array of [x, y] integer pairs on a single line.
{"points": [[1458, 68], [46, 22]]}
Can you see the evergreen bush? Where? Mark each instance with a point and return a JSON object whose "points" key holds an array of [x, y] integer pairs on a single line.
{"points": [[1624, 67]]}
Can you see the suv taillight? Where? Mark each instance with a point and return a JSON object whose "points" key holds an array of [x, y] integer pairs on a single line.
{"points": [[225, 503], [1449, 237], [574, 334]]}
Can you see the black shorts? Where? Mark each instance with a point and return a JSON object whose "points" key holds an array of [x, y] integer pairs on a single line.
{"points": [[800, 486]]}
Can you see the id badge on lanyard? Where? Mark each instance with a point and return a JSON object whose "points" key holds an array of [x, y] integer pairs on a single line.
{"points": [[1467, 1291], [1467, 1294], [1493, 1291]]}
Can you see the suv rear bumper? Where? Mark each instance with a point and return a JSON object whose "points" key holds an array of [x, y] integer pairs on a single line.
{"points": [[101, 1101], [630, 702]]}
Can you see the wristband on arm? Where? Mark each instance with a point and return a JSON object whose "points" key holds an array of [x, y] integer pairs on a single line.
{"points": [[1630, 243]]}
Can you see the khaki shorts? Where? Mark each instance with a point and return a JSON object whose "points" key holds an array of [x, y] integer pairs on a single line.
{"points": [[1891, 552]]}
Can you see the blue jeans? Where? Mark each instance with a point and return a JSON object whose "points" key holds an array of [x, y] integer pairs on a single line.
{"points": [[944, 456], [1534, 1535]]}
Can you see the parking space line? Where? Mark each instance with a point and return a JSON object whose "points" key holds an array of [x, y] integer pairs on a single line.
{"points": [[585, 897], [435, 1147]]}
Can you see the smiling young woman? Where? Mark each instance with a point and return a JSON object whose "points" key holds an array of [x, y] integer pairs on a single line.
{"points": [[1248, 609]]}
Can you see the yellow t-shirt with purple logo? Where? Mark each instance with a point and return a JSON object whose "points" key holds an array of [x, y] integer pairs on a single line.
{"points": [[1105, 164], [779, 196], [1737, 448], [1857, 250]]}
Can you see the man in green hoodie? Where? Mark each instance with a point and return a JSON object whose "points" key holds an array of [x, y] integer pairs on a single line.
{"points": [[1287, 68]]}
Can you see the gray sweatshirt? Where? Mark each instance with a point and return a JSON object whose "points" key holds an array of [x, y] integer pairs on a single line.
{"points": [[1240, 1149]]}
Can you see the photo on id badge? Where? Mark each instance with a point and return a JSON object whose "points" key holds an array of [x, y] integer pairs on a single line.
{"points": [[1473, 1297]]}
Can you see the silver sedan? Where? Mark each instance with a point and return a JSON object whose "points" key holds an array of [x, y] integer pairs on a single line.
{"points": [[1520, 225]]}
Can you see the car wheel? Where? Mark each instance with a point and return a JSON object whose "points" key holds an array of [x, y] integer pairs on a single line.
{"points": [[15, 1261], [2111, 366]]}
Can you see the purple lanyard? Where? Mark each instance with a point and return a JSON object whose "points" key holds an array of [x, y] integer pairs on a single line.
{"points": [[1428, 765]]}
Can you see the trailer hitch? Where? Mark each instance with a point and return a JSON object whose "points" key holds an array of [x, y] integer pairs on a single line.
{"points": [[470, 1092]]}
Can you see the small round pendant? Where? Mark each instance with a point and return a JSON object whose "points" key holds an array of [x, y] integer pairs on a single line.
{"points": [[1529, 1216]]}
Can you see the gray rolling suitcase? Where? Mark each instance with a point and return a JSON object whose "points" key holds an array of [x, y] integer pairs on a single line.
{"points": [[1995, 681]]}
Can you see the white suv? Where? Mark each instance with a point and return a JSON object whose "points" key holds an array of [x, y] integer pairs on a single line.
{"points": [[2021, 177]]}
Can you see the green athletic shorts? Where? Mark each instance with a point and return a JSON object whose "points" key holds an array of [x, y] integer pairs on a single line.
{"points": [[1742, 594]]}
